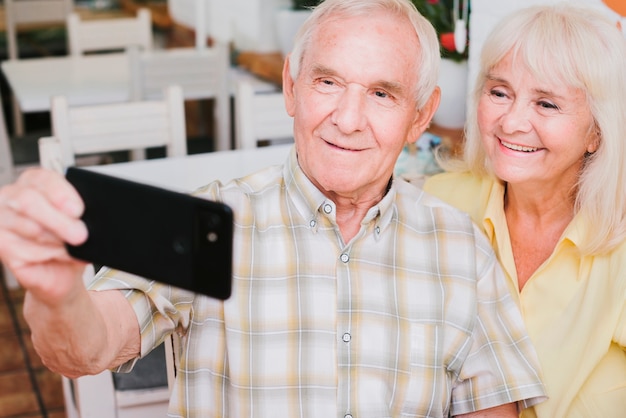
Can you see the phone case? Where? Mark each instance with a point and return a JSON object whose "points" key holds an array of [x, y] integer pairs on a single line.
{"points": [[155, 233]]}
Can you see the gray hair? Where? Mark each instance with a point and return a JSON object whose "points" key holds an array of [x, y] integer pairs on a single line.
{"points": [[428, 56]]}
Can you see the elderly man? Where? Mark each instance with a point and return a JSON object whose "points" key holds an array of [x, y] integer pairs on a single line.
{"points": [[354, 293]]}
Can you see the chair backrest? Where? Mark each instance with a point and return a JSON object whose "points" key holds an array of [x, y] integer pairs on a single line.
{"points": [[259, 116], [120, 126], [109, 34], [32, 12], [201, 73]]}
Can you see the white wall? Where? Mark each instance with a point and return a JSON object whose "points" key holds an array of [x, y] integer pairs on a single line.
{"points": [[249, 24]]}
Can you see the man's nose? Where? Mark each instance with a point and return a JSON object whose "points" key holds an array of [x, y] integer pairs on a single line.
{"points": [[350, 113]]}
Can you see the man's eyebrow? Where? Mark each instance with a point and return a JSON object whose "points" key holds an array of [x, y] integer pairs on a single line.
{"points": [[390, 86], [320, 70]]}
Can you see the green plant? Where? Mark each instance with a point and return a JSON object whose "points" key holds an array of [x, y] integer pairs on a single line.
{"points": [[305, 4], [440, 14]]}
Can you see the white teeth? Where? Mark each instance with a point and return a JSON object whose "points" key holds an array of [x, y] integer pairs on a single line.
{"points": [[518, 147]]}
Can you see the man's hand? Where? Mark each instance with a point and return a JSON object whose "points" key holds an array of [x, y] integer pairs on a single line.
{"points": [[74, 331], [39, 213]]}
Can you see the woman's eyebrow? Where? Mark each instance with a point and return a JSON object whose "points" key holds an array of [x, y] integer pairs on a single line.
{"points": [[495, 79], [539, 91]]}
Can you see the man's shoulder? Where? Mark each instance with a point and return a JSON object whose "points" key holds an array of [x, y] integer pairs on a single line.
{"points": [[268, 178]]}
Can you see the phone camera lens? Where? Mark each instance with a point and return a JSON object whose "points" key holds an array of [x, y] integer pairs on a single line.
{"points": [[180, 246]]}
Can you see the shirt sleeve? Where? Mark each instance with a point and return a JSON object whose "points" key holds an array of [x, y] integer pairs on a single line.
{"points": [[502, 366], [160, 309]]}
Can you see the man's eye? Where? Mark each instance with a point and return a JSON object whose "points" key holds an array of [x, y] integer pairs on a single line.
{"points": [[328, 82], [381, 94]]}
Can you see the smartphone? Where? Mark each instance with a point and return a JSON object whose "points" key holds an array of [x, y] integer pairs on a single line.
{"points": [[171, 237]]}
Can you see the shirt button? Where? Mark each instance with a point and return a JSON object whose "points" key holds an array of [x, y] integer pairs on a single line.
{"points": [[347, 416], [312, 224], [377, 230], [346, 337], [345, 258], [328, 208]]}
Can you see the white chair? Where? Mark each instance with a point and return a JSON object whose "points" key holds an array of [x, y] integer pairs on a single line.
{"points": [[7, 170], [105, 395], [102, 128], [142, 393], [260, 116], [120, 126], [99, 396], [202, 73], [8, 173], [109, 34], [19, 13]]}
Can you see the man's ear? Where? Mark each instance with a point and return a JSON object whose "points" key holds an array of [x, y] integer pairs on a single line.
{"points": [[288, 86], [424, 115]]}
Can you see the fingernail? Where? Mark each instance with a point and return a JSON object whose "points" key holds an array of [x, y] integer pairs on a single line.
{"points": [[78, 233], [73, 208], [13, 205]]}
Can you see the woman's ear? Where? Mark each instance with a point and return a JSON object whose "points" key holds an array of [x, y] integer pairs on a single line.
{"points": [[288, 86], [593, 141], [424, 115]]}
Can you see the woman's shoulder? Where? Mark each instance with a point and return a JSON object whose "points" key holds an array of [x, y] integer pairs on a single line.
{"points": [[463, 190]]}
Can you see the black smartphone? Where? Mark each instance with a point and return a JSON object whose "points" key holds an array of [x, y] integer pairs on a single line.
{"points": [[155, 233]]}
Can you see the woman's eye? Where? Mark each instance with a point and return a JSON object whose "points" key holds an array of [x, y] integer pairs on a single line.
{"points": [[497, 93], [547, 105]]}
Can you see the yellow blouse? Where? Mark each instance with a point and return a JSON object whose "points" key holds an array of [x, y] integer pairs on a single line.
{"points": [[574, 307]]}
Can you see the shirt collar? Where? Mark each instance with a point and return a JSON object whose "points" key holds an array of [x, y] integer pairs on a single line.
{"points": [[311, 202], [494, 215]]}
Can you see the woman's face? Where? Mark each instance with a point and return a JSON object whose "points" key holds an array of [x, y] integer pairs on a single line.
{"points": [[532, 131]]}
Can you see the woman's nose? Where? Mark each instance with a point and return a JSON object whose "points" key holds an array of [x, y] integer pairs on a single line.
{"points": [[516, 118]]}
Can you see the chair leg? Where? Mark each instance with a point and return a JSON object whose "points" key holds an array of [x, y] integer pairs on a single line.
{"points": [[10, 279], [18, 119], [68, 397], [138, 154]]}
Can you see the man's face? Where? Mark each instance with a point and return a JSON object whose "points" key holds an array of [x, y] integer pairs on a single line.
{"points": [[353, 103]]}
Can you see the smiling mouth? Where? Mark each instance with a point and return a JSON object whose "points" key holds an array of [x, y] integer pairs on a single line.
{"points": [[340, 147], [520, 148]]}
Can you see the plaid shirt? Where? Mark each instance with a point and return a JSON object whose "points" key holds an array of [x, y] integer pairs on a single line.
{"points": [[410, 318]]}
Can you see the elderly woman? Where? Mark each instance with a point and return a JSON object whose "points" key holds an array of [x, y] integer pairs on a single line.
{"points": [[543, 173]]}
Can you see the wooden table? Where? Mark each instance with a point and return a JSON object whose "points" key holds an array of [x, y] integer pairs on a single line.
{"points": [[268, 66], [88, 79]]}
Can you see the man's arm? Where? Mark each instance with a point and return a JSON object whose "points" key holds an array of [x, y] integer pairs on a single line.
{"points": [[75, 332], [508, 410], [93, 332]]}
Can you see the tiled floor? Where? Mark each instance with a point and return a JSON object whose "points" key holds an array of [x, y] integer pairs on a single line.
{"points": [[27, 388]]}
